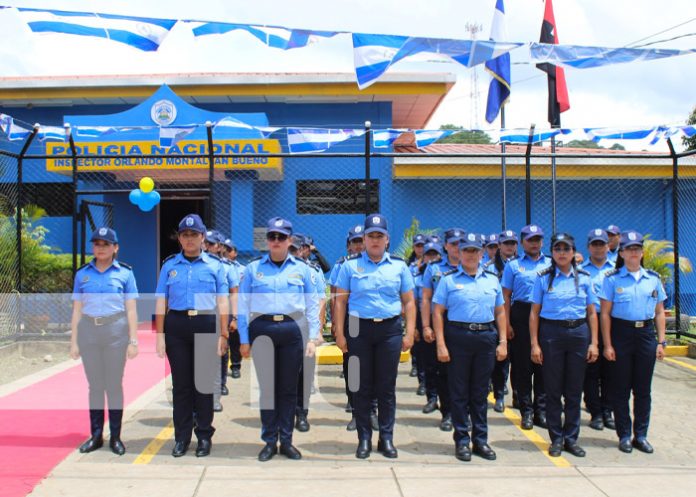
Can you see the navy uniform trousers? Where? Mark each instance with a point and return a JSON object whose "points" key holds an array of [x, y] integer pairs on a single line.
{"points": [[436, 375], [472, 357], [565, 358], [277, 349], [191, 344], [103, 351], [526, 376], [304, 383], [596, 388], [632, 372], [499, 377], [417, 350], [376, 347]]}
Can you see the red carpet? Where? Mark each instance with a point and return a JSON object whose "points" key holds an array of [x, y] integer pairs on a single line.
{"points": [[43, 423]]}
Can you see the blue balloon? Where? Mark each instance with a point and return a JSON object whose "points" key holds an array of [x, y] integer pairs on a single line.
{"points": [[134, 196], [145, 201]]}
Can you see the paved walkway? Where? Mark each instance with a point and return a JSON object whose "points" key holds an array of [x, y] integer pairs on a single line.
{"points": [[426, 465]]}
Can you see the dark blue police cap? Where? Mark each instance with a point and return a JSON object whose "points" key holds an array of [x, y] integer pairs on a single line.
{"points": [[356, 232], [613, 229], [507, 236], [562, 238], [433, 239], [597, 234], [471, 240], [296, 241], [213, 236], [105, 234], [376, 222], [492, 239], [419, 239], [453, 235], [630, 238], [432, 246], [192, 222], [279, 225], [227, 242], [530, 231]]}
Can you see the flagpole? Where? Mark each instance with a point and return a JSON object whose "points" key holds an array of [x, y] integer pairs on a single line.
{"points": [[503, 169], [553, 181]]}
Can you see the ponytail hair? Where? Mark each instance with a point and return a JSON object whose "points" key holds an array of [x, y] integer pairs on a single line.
{"points": [[498, 262]]}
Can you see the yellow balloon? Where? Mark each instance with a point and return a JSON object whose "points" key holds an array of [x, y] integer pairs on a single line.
{"points": [[146, 184]]}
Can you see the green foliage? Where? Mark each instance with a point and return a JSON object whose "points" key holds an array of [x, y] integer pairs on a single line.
{"points": [[474, 136], [405, 246], [658, 255], [42, 271], [591, 144], [690, 143]]}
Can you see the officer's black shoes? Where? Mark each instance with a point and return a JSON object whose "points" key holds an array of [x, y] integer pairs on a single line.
{"points": [[540, 420], [462, 452], [421, 389], [348, 408], [224, 390], [92, 444], [236, 374], [414, 372], [609, 421], [484, 450], [268, 452], [499, 405], [431, 406], [374, 421], [117, 446], [203, 447], [289, 451], [386, 447], [352, 424], [597, 423], [505, 390], [625, 446], [180, 448], [527, 422], [574, 448], [301, 423], [446, 423], [555, 449], [364, 449], [643, 445], [217, 407]]}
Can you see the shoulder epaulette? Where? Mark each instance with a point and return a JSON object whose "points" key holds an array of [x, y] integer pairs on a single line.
{"points": [[396, 257], [490, 272], [84, 266], [225, 261], [314, 265], [488, 264], [127, 266], [352, 257], [451, 271], [654, 273], [300, 259], [216, 257], [169, 258], [513, 258], [255, 259], [612, 272], [341, 260], [548, 270], [582, 271]]}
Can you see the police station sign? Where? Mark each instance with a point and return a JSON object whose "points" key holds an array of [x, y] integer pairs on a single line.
{"points": [[122, 155]]}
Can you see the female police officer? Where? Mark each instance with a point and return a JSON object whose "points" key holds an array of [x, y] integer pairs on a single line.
{"points": [[470, 342], [375, 285], [632, 309], [278, 304], [104, 332], [190, 285], [564, 299]]}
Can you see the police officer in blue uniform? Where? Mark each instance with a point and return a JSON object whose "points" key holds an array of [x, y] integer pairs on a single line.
{"points": [[415, 261], [596, 387], [235, 357], [435, 371], [469, 342], [491, 245], [192, 297], [278, 314], [614, 237], [506, 251], [632, 303], [563, 334], [374, 286], [104, 332], [518, 280]]}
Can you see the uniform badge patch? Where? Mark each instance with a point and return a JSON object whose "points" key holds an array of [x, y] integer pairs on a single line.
{"points": [[619, 290], [172, 273], [459, 286], [654, 294], [85, 279], [259, 276], [522, 270], [360, 269]]}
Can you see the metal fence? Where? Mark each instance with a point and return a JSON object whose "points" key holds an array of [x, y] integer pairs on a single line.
{"points": [[324, 194]]}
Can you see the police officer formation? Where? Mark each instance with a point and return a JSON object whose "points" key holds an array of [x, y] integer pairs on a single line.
{"points": [[474, 310]]}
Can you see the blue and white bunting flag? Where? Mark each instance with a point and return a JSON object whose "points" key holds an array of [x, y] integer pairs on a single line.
{"points": [[304, 140], [12, 131], [425, 137], [275, 37], [171, 135], [583, 57], [385, 138], [521, 136], [52, 133], [374, 54], [499, 68], [139, 32], [598, 134]]}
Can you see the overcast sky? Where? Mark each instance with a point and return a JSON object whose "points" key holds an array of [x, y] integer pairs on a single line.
{"points": [[642, 93]]}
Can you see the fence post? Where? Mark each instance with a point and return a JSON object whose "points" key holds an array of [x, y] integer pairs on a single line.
{"points": [[553, 184], [675, 230], [368, 187], [210, 218], [73, 153], [528, 176], [503, 170]]}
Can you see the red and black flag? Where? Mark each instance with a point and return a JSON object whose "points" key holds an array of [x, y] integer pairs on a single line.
{"points": [[558, 91]]}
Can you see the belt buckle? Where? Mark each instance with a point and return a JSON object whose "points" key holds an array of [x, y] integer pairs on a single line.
{"points": [[640, 324], [98, 321], [192, 313], [473, 327], [378, 320], [278, 317]]}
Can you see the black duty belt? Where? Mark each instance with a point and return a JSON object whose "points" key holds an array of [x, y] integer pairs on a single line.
{"points": [[472, 326], [191, 312], [278, 318], [103, 320], [379, 320], [521, 303], [634, 324], [566, 323]]}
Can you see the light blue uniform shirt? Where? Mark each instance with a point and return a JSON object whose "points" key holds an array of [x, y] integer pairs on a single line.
{"points": [[611, 256], [269, 289], [632, 300], [520, 274], [192, 285], [417, 283], [104, 294], [320, 285], [333, 274], [433, 273], [563, 301], [239, 267], [597, 274], [232, 274], [467, 299], [375, 288]]}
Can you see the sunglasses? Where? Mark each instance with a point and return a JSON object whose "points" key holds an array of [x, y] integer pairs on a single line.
{"points": [[272, 237]]}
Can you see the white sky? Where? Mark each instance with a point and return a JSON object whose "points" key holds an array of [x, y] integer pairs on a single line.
{"points": [[642, 93]]}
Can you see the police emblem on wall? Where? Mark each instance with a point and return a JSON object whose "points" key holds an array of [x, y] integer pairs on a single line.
{"points": [[163, 112]]}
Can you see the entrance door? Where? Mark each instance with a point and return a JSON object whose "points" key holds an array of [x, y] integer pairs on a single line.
{"points": [[171, 211]]}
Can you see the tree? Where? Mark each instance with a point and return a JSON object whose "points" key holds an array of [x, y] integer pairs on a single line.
{"points": [[467, 136], [690, 143], [591, 144]]}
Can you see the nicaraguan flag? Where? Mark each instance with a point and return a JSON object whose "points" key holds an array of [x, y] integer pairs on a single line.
{"points": [[583, 57], [171, 135], [275, 37], [374, 54], [385, 138], [499, 68], [139, 32], [425, 137], [304, 140]]}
